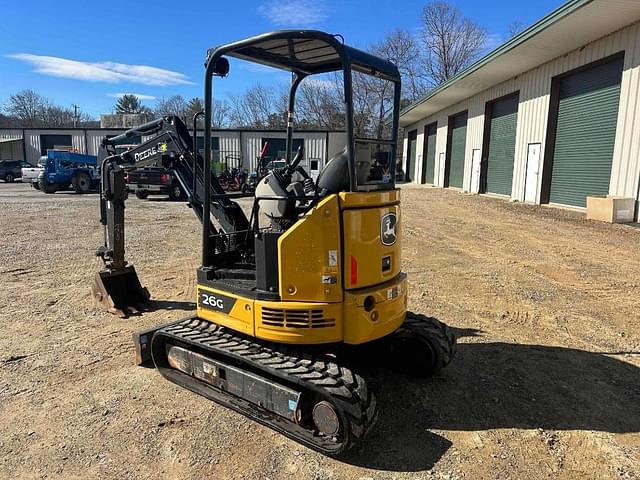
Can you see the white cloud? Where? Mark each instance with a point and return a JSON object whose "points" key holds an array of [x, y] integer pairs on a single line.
{"points": [[141, 96], [292, 13], [109, 72]]}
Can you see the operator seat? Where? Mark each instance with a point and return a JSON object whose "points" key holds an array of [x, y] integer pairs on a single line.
{"points": [[334, 177]]}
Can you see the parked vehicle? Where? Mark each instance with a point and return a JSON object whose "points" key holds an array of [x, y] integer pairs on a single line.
{"points": [[251, 182], [69, 171], [30, 174], [11, 170], [254, 177], [154, 181], [234, 180]]}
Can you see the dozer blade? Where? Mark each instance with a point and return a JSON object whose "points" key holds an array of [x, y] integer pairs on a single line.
{"points": [[119, 291]]}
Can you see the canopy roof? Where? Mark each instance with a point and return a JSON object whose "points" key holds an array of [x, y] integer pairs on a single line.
{"points": [[307, 52]]}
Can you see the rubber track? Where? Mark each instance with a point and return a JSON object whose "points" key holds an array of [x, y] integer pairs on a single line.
{"points": [[317, 373]]}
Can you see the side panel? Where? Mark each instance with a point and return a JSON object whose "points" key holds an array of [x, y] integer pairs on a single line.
{"points": [[225, 308], [309, 256], [388, 313], [372, 245], [355, 321], [297, 322]]}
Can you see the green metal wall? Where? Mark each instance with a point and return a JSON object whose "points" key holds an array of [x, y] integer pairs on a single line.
{"points": [[429, 155], [585, 134], [502, 145], [458, 146]]}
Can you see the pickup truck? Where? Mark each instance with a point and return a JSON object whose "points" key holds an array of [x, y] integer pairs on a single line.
{"points": [[30, 174], [154, 181]]}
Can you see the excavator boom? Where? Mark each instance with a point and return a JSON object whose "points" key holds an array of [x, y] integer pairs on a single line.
{"points": [[117, 288]]}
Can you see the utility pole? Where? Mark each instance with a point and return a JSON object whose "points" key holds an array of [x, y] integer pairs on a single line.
{"points": [[75, 114]]}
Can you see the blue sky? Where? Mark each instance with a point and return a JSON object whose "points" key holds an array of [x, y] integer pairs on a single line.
{"points": [[86, 53]]}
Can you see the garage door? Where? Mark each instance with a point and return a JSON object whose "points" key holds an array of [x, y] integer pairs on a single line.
{"points": [[585, 134], [458, 141], [411, 155], [429, 153], [51, 141], [503, 118]]}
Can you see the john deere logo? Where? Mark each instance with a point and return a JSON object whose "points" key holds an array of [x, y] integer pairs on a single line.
{"points": [[388, 229]]}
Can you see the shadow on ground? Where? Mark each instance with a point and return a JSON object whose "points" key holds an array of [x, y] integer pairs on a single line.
{"points": [[155, 305], [499, 385]]}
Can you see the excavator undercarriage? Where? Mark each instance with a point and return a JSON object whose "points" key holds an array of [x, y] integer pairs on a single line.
{"points": [[308, 394]]}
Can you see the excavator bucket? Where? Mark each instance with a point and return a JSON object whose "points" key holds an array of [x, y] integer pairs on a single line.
{"points": [[119, 291]]}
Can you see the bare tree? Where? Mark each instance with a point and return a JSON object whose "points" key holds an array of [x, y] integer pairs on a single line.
{"points": [[402, 48], [27, 106], [260, 106], [174, 105], [29, 109], [514, 28], [373, 97], [451, 41], [220, 114], [57, 116], [319, 103]]}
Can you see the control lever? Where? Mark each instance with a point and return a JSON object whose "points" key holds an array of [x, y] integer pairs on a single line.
{"points": [[296, 161]]}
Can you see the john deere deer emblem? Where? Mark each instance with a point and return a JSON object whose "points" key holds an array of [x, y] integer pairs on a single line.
{"points": [[388, 229]]}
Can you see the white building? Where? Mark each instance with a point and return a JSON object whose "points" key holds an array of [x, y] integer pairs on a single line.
{"points": [[550, 117], [232, 144]]}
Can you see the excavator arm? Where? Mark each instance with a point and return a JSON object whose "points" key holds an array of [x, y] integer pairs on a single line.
{"points": [[117, 288]]}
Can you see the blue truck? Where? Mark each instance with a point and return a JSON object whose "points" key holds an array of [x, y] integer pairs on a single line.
{"points": [[69, 171]]}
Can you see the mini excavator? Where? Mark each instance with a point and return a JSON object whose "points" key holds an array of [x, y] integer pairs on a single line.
{"points": [[280, 302]]}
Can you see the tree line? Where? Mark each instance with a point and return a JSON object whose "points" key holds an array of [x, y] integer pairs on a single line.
{"points": [[30, 109], [446, 44]]}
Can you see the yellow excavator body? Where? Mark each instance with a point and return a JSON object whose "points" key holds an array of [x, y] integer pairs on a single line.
{"points": [[339, 277]]}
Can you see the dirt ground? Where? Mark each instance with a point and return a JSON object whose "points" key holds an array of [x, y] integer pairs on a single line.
{"points": [[546, 382]]}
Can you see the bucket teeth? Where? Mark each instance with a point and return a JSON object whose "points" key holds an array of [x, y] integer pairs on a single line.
{"points": [[119, 292]]}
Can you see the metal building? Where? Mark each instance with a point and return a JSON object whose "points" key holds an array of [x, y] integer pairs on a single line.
{"points": [[235, 146], [550, 117]]}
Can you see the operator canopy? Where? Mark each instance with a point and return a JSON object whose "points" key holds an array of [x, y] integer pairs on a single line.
{"points": [[307, 52]]}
